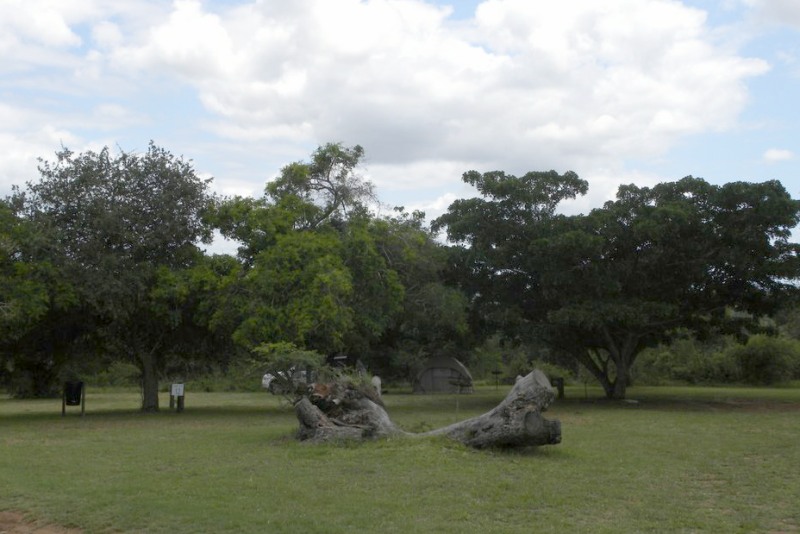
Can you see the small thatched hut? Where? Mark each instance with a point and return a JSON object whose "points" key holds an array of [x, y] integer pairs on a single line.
{"points": [[443, 375]]}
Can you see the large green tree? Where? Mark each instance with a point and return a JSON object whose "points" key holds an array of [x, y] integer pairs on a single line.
{"points": [[117, 225], [296, 285], [601, 287], [321, 271]]}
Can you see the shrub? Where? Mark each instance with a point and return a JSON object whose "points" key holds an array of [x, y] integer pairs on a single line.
{"points": [[766, 360], [689, 361]]}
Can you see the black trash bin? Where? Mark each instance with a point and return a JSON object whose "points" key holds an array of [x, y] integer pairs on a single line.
{"points": [[74, 395]]}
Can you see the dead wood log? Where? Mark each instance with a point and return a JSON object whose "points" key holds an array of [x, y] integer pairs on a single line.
{"points": [[333, 412], [516, 422]]}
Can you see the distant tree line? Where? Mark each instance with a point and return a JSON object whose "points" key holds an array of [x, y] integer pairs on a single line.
{"points": [[101, 263]]}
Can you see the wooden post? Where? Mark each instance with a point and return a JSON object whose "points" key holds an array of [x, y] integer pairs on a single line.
{"points": [[176, 395]]}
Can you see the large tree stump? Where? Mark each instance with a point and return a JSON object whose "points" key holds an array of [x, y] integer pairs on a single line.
{"points": [[338, 411]]}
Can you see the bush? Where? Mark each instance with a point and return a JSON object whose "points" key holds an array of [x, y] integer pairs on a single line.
{"points": [[118, 374], [767, 360], [687, 360]]}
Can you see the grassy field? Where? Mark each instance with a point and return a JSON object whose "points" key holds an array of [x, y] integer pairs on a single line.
{"points": [[679, 460]]}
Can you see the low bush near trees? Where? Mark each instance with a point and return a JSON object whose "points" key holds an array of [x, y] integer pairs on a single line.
{"points": [[767, 360]]}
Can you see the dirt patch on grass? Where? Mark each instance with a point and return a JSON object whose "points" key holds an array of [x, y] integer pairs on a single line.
{"points": [[17, 523]]}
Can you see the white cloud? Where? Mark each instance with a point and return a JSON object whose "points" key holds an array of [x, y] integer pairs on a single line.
{"points": [[784, 12], [775, 155], [537, 83], [23, 144], [40, 22], [107, 35], [581, 85]]}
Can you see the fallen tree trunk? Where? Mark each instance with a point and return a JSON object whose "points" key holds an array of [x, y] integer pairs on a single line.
{"points": [[343, 412]]}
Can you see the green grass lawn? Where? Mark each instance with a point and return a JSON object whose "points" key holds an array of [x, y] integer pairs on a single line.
{"points": [[679, 460]]}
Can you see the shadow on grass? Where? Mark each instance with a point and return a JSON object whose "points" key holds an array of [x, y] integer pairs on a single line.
{"points": [[132, 413]]}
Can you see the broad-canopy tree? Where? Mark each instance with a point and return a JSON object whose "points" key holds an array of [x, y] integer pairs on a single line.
{"points": [[118, 226], [324, 273], [601, 287], [295, 285]]}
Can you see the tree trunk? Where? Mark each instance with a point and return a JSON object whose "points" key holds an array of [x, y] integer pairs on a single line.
{"points": [[619, 351], [147, 361], [340, 412], [621, 382]]}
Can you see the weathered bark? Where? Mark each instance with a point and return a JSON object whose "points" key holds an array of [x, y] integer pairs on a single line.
{"points": [[338, 411], [602, 367], [335, 412], [516, 422]]}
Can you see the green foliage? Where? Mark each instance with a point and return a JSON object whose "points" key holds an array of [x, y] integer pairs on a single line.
{"points": [[788, 321], [761, 360], [324, 189], [404, 363], [297, 292], [687, 360], [378, 293], [321, 272], [768, 360], [276, 357], [512, 360], [118, 374], [604, 286], [242, 375], [485, 359], [116, 231], [39, 306]]}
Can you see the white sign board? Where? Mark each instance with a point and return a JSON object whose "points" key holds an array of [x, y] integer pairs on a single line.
{"points": [[177, 390]]}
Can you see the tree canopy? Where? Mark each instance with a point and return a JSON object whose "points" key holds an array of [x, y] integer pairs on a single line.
{"points": [[116, 228], [322, 272], [602, 286], [101, 260]]}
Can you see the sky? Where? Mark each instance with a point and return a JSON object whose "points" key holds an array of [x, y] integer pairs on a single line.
{"points": [[619, 91]]}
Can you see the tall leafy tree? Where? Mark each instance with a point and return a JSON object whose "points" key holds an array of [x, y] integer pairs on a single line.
{"points": [[295, 285], [118, 223], [322, 272], [39, 311], [601, 287]]}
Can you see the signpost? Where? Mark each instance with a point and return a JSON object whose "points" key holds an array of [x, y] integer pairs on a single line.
{"points": [[176, 393]]}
